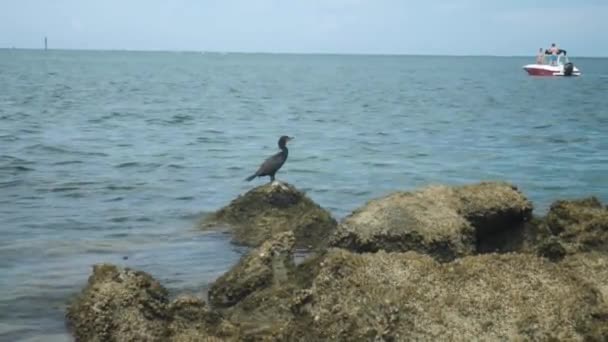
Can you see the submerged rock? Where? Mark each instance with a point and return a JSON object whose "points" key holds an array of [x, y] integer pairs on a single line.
{"points": [[126, 305], [273, 208], [409, 296], [445, 222]]}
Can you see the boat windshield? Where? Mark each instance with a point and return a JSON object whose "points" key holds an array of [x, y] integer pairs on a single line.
{"points": [[561, 59]]}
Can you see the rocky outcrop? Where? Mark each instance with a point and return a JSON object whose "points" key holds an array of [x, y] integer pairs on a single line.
{"points": [[445, 222], [409, 296], [126, 305], [430, 275], [574, 226], [270, 209]]}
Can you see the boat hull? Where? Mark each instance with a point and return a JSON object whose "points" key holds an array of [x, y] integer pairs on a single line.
{"points": [[548, 70]]}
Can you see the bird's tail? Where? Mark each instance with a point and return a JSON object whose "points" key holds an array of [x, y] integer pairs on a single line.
{"points": [[250, 178]]}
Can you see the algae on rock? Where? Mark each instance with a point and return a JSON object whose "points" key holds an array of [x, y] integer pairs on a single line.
{"points": [[274, 208], [125, 305], [257, 291], [442, 221], [429, 287], [577, 226], [408, 296], [266, 265]]}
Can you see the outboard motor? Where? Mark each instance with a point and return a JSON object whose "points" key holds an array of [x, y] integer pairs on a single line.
{"points": [[568, 69]]}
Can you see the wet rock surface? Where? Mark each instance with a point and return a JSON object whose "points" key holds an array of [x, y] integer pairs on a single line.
{"points": [[270, 209], [445, 222]]}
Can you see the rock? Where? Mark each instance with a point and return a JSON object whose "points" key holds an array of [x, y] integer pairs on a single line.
{"points": [[126, 305], [269, 264], [119, 305], [551, 249], [445, 222], [257, 291], [270, 209], [579, 225], [592, 267], [192, 320], [492, 206], [409, 296]]}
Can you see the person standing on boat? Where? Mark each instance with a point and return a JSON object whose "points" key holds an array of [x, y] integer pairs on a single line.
{"points": [[554, 52], [540, 58]]}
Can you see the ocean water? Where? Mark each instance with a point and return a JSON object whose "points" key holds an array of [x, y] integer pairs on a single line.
{"points": [[115, 156]]}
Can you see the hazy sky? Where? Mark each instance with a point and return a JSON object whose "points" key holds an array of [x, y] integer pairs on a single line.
{"points": [[508, 27]]}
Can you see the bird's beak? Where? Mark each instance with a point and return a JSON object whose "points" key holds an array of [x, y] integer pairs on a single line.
{"points": [[290, 138]]}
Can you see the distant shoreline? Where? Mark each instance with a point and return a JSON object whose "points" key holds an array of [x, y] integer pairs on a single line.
{"points": [[284, 53]]}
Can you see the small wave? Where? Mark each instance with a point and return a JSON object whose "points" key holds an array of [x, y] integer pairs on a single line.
{"points": [[60, 150], [47, 148], [25, 131], [379, 163], [175, 166], [305, 171], [357, 192], [9, 137], [213, 131], [115, 199], [127, 164], [419, 154], [64, 188], [180, 118], [185, 198], [119, 219], [16, 169], [321, 191], [68, 162], [11, 183], [137, 164], [75, 195], [542, 126], [79, 183], [119, 187], [203, 139]]}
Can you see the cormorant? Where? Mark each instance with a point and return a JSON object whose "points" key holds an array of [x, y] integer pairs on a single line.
{"points": [[271, 165]]}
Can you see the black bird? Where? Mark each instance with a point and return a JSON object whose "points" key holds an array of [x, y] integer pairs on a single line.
{"points": [[271, 165]]}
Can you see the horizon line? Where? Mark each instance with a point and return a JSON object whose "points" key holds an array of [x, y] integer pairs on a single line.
{"points": [[371, 54]]}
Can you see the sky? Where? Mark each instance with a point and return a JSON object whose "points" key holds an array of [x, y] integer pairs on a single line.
{"points": [[435, 27]]}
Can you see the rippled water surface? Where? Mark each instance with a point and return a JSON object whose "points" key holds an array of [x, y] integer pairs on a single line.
{"points": [[114, 156]]}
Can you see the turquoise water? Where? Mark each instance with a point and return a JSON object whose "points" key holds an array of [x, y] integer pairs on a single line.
{"points": [[114, 156]]}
